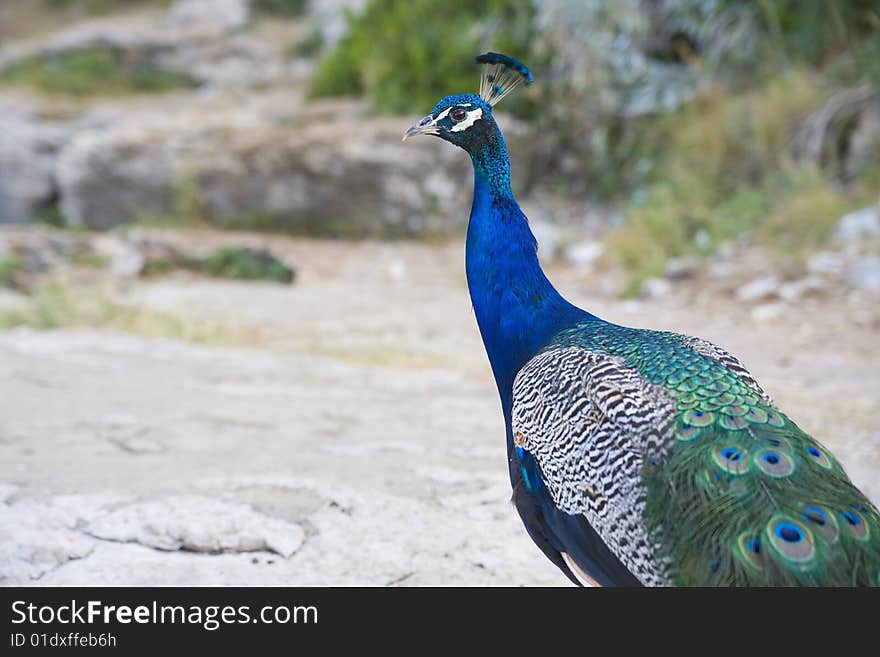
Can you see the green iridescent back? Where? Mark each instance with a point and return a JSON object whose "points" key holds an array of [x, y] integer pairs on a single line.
{"points": [[745, 497]]}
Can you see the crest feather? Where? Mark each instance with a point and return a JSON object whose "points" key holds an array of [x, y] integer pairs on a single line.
{"points": [[501, 75]]}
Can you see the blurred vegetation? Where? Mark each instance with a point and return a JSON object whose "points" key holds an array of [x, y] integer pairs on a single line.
{"points": [[10, 267], [288, 8], [723, 171], [722, 166], [686, 112], [243, 263], [308, 45], [234, 262], [399, 53], [93, 71]]}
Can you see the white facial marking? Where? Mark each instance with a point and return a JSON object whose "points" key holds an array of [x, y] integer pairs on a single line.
{"points": [[472, 117]]}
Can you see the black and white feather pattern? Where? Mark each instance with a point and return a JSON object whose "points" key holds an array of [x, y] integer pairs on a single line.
{"points": [[593, 426]]}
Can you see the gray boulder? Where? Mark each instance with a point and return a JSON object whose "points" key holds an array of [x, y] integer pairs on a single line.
{"points": [[220, 15], [28, 151], [864, 274], [325, 175], [198, 524], [758, 289], [113, 177], [858, 225]]}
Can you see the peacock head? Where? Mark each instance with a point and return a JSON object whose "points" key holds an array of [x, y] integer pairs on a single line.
{"points": [[466, 119]]}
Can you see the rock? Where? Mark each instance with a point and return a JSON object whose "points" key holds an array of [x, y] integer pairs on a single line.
{"points": [[107, 178], [39, 251], [702, 239], [864, 274], [864, 141], [37, 539], [843, 133], [726, 251], [826, 262], [859, 225], [656, 288], [324, 177], [765, 312], [584, 254], [795, 290], [758, 289], [679, 268], [721, 270], [125, 259], [28, 152], [219, 15], [198, 524]]}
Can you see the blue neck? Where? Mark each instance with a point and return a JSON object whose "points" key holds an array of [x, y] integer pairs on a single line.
{"points": [[518, 310]]}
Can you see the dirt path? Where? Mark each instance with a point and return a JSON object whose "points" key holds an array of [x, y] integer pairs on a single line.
{"points": [[357, 441]]}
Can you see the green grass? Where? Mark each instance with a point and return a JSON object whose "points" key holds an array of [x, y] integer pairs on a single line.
{"points": [[89, 259], [93, 71], [10, 267]]}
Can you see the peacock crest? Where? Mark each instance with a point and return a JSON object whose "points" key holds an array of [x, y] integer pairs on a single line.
{"points": [[501, 76]]}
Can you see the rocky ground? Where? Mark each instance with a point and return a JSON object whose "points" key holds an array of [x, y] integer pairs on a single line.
{"points": [[353, 435]]}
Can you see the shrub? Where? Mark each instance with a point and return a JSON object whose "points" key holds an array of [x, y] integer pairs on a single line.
{"points": [[10, 266], [406, 54], [239, 262], [288, 8], [722, 171], [308, 45]]}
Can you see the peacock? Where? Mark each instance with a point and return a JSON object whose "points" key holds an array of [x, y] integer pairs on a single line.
{"points": [[638, 457]]}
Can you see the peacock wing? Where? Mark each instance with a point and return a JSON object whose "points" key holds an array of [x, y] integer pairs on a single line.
{"points": [[585, 427]]}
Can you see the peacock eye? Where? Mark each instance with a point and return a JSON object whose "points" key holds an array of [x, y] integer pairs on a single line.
{"points": [[457, 114]]}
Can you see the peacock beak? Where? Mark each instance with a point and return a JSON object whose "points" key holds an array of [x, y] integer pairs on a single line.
{"points": [[425, 126]]}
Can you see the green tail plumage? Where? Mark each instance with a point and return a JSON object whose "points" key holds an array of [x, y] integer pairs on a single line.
{"points": [[761, 503]]}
